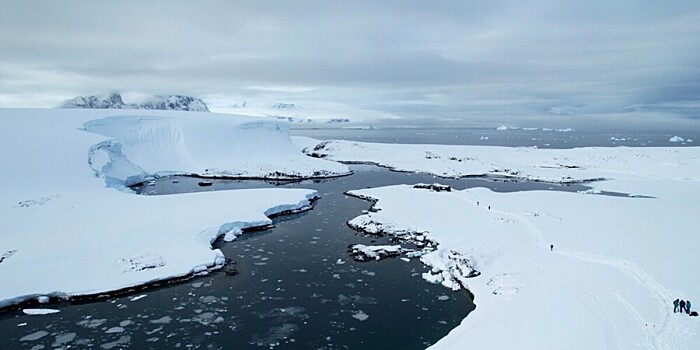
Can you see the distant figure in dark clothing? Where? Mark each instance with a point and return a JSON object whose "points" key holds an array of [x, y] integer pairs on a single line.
{"points": [[675, 305], [489, 207], [683, 306], [687, 307], [477, 203], [551, 247]]}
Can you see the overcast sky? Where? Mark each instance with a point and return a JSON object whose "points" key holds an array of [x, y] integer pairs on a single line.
{"points": [[408, 58]]}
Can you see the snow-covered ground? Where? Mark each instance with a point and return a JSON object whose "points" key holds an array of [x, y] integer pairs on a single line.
{"points": [[64, 232], [518, 163], [609, 281], [617, 263]]}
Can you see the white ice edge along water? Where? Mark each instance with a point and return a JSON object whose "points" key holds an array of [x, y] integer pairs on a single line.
{"points": [[617, 263], [73, 236]]}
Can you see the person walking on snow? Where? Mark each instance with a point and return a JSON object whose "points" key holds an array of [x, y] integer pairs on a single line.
{"points": [[682, 306], [687, 307], [551, 247], [675, 305]]}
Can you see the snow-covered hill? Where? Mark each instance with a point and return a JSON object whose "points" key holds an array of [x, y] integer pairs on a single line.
{"points": [[111, 101], [175, 103], [115, 101]]}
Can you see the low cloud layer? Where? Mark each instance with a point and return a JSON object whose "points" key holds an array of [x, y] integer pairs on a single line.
{"points": [[417, 59]]}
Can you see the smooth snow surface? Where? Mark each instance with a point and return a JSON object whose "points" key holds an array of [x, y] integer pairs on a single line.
{"points": [[617, 263], [65, 233]]}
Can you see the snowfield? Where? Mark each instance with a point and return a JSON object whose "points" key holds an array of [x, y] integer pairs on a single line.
{"points": [[616, 265], [548, 269], [64, 233]]}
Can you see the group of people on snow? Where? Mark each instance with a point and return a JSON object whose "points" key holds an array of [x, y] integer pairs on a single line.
{"points": [[681, 306]]}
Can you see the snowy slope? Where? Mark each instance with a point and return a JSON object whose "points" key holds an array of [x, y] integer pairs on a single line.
{"points": [[617, 263], [65, 233]]}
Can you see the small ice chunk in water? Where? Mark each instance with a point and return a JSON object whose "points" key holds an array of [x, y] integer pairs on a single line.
{"points": [[33, 312], [42, 299], [360, 315], [115, 330], [121, 341], [162, 320], [443, 297], [436, 279], [138, 297], [34, 336], [208, 299], [63, 339], [87, 323]]}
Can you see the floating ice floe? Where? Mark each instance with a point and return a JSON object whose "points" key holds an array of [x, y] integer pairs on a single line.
{"points": [[34, 312], [360, 315]]}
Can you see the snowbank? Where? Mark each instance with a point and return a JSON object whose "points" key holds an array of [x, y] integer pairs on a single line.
{"points": [[64, 233], [616, 265]]}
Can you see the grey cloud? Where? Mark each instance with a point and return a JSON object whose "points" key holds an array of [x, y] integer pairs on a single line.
{"points": [[412, 58]]}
